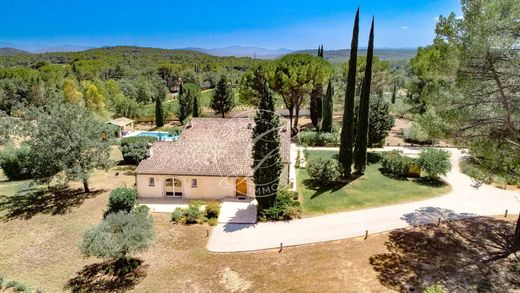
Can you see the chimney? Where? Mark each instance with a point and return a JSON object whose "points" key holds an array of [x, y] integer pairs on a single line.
{"points": [[149, 152]]}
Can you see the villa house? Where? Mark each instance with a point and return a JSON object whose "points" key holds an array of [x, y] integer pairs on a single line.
{"points": [[212, 159]]}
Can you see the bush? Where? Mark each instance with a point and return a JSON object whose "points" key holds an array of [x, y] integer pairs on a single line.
{"points": [[436, 288], [286, 207], [212, 210], [16, 162], [190, 215], [416, 134], [134, 148], [396, 165], [177, 216], [17, 286], [434, 162], [323, 171], [121, 199], [312, 138], [213, 222]]}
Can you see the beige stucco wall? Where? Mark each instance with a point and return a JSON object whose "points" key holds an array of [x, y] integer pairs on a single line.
{"points": [[207, 187]]}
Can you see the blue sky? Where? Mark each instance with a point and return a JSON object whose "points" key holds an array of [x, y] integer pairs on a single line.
{"points": [[290, 24]]}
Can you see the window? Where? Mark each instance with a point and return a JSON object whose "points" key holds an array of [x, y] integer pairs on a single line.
{"points": [[151, 182], [193, 183]]}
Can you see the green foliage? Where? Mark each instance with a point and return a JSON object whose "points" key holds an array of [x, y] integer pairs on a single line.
{"points": [[312, 138], [193, 214], [16, 162], [121, 199], [346, 155], [66, 140], [416, 134], [435, 127], [436, 288], [159, 113], [323, 172], [286, 207], [119, 235], [222, 102], [380, 121], [434, 162], [327, 109], [134, 148], [395, 164], [360, 148], [267, 162], [212, 210], [17, 286], [188, 93], [123, 106], [251, 84]]}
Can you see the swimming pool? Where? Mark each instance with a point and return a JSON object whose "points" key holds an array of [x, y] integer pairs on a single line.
{"points": [[159, 134]]}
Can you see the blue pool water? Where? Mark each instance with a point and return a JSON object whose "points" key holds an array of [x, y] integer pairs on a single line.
{"points": [[160, 135]]}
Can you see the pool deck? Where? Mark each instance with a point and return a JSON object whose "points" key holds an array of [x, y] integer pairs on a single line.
{"points": [[138, 132]]}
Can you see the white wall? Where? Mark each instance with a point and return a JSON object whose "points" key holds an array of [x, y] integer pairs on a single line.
{"points": [[207, 187]]}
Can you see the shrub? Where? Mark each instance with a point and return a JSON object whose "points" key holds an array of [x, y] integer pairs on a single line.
{"points": [[434, 162], [121, 199], [193, 213], [312, 138], [177, 216], [416, 134], [134, 148], [213, 222], [436, 288], [174, 131], [16, 162], [1, 281], [395, 164], [212, 210], [286, 207], [323, 171], [17, 286]]}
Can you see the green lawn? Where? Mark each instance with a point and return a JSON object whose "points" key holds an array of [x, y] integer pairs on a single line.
{"points": [[371, 190]]}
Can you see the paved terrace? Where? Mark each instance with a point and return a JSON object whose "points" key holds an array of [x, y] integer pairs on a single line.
{"points": [[463, 201]]}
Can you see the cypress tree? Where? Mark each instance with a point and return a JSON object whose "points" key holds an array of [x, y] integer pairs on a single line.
{"points": [[347, 130], [394, 92], [326, 122], [364, 104], [196, 107], [267, 164], [222, 101], [159, 114], [316, 103]]}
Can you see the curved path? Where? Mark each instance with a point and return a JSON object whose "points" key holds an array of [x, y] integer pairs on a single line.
{"points": [[463, 201]]}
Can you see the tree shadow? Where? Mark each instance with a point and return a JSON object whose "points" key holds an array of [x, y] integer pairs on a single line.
{"points": [[32, 201], [94, 278], [430, 182], [456, 254], [333, 187]]}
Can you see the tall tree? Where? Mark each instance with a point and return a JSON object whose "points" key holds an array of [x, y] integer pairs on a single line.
{"points": [[252, 84], [186, 96], [326, 122], [294, 78], [364, 106], [267, 164], [159, 113], [222, 101], [317, 98], [196, 106], [66, 142], [347, 131], [394, 93]]}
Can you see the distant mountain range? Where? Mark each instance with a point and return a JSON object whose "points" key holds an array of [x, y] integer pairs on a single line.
{"points": [[236, 51], [33, 48], [240, 51]]}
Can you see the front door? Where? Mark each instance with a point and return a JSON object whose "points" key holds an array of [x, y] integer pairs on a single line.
{"points": [[241, 186]]}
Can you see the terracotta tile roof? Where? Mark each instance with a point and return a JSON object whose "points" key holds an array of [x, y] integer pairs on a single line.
{"points": [[209, 147]]}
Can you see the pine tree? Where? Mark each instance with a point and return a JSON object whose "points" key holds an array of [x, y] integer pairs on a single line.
{"points": [[326, 122], [222, 101], [362, 129], [394, 92], [159, 114], [347, 131], [266, 151], [196, 106]]}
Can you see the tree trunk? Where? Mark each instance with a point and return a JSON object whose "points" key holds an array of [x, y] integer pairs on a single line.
{"points": [[85, 186], [291, 121]]}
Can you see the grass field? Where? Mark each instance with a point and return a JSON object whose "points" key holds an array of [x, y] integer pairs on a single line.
{"points": [[371, 190]]}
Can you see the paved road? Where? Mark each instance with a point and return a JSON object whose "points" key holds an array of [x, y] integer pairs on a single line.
{"points": [[463, 201]]}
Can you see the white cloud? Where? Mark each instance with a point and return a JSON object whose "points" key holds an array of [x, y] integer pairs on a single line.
{"points": [[404, 27]]}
